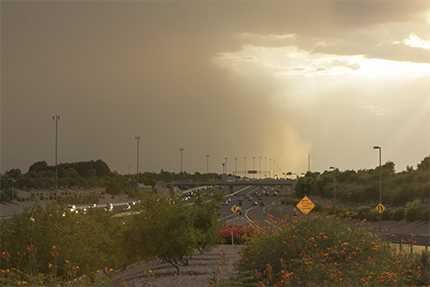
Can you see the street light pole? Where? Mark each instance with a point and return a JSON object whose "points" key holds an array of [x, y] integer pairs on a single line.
{"points": [[207, 163], [181, 151], [244, 166], [335, 190], [380, 171], [379, 148], [259, 165], [56, 118], [235, 166], [270, 167], [137, 138], [265, 166]]}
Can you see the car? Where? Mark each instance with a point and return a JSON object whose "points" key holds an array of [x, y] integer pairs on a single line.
{"points": [[255, 203]]}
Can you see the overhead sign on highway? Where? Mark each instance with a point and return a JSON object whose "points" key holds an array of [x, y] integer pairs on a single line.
{"points": [[305, 205], [380, 208]]}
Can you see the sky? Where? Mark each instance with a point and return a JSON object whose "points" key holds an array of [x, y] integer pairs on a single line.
{"points": [[276, 79]]}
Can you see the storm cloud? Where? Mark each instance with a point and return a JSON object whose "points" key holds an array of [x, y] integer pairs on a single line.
{"points": [[277, 79]]}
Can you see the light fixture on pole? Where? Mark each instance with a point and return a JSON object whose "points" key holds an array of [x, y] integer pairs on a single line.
{"points": [[207, 163], [335, 189], [137, 138], [56, 118], [181, 151]]}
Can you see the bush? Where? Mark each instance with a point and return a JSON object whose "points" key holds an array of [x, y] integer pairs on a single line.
{"points": [[169, 231], [61, 244], [413, 210], [326, 252]]}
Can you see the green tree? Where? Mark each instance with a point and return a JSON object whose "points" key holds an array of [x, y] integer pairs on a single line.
{"points": [[162, 230]]}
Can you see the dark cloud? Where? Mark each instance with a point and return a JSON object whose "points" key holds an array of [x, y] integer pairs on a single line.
{"points": [[114, 70]]}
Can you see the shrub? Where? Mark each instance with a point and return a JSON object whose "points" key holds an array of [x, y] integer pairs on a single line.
{"points": [[325, 252], [413, 210]]}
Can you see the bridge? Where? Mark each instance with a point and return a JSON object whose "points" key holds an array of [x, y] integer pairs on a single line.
{"points": [[235, 183]]}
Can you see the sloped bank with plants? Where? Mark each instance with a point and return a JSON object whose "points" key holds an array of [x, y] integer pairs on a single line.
{"points": [[54, 247], [322, 251]]}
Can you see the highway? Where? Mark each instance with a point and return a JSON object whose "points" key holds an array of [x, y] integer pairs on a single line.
{"points": [[257, 211]]}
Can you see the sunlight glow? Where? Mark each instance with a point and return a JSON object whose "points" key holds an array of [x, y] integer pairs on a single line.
{"points": [[293, 62], [416, 42]]}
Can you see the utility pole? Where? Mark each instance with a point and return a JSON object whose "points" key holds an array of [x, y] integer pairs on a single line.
{"points": [[181, 151], [207, 163], [226, 166], [309, 162], [56, 118]]}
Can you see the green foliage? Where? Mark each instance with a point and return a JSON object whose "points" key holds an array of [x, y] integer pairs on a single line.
{"points": [[413, 210], [358, 187], [326, 252], [38, 167], [61, 244], [169, 231]]}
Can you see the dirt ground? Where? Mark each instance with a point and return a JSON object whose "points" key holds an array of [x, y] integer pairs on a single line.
{"points": [[213, 265]]}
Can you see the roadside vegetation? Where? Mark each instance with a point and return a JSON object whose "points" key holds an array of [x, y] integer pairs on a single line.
{"points": [[82, 175], [407, 193], [322, 251], [50, 245]]}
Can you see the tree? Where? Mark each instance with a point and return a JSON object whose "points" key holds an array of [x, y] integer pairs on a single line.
{"points": [[162, 230], [204, 220], [38, 167], [424, 165], [14, 173]]}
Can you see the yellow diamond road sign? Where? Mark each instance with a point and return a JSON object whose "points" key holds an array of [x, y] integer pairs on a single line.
{"points": [[380, 208], [305, 205]]}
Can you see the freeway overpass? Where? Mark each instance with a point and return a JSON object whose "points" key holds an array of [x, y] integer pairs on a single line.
{"points": [[235, 183]]}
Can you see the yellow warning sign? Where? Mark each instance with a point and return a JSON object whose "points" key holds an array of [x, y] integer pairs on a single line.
{"points": [[380, 208], [305, 205], [235, 209]]}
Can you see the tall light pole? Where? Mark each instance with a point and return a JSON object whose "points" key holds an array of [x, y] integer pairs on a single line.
{"points": [[270, 167], [335, 189], [265, 166], [181, 153], [379, 148], [56, 118], [225, 164], [207, 163], [259, 165], [244, 166], [380, 172], [137, 138], [274, 168], [235, 166]]}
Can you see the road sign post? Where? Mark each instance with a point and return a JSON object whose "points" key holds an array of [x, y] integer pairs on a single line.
{"points": [[305, 205], [380, 208]]}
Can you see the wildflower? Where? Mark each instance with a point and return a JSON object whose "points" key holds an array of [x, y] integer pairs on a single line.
{"points": [[286, 275]]}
